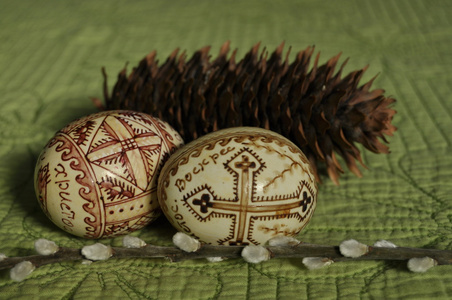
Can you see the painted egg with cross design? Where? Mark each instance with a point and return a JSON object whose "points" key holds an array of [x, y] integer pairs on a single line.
{"points": [[97, 177], [238, 186]]}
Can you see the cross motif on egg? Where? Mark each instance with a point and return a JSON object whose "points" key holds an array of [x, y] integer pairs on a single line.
{"points": [[125, 152], [238, 191], [97, 177]]}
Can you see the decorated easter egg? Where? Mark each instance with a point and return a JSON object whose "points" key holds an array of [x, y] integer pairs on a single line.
{"points": [[97, 177], [238, 186]]}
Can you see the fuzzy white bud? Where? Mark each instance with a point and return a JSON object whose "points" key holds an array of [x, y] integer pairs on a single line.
{"points": [[255, 254], [385, 244], [186, 242], [353, 248], [97, 251], [2, 256], [283, 240], [133, 242], [313, 263], [46, 247], [421, 264], [21, 270], [214, 259]]}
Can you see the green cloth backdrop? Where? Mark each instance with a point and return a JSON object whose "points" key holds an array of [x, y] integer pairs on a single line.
{"points": [[51, 54]]}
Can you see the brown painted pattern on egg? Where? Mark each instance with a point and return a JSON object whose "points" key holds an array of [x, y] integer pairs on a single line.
{"points": [[238, 186], [97, 177]]}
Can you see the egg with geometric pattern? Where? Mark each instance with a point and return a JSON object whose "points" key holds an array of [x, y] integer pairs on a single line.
{"points": [[238, 186], [97, 177]]}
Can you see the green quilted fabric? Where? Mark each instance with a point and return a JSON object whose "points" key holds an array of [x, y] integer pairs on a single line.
{"points": [[51, 53]]}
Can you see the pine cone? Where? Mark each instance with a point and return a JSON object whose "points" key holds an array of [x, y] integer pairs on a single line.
{"points": [[321, 112]]}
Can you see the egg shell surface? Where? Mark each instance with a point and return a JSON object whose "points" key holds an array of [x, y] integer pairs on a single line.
{"points": [[238, 186], [97, 177]]}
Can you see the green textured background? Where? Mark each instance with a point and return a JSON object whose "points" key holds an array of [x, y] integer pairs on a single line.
{"points": [[51, 53]]}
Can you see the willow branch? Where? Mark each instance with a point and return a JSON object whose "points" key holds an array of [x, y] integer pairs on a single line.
{"points": [[174, 254]]}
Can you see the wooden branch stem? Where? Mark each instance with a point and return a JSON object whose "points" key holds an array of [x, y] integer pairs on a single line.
{"points": [[443, 257]]}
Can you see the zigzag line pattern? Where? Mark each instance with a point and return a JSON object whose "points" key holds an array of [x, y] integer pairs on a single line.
{"points": [[295, 195]]}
